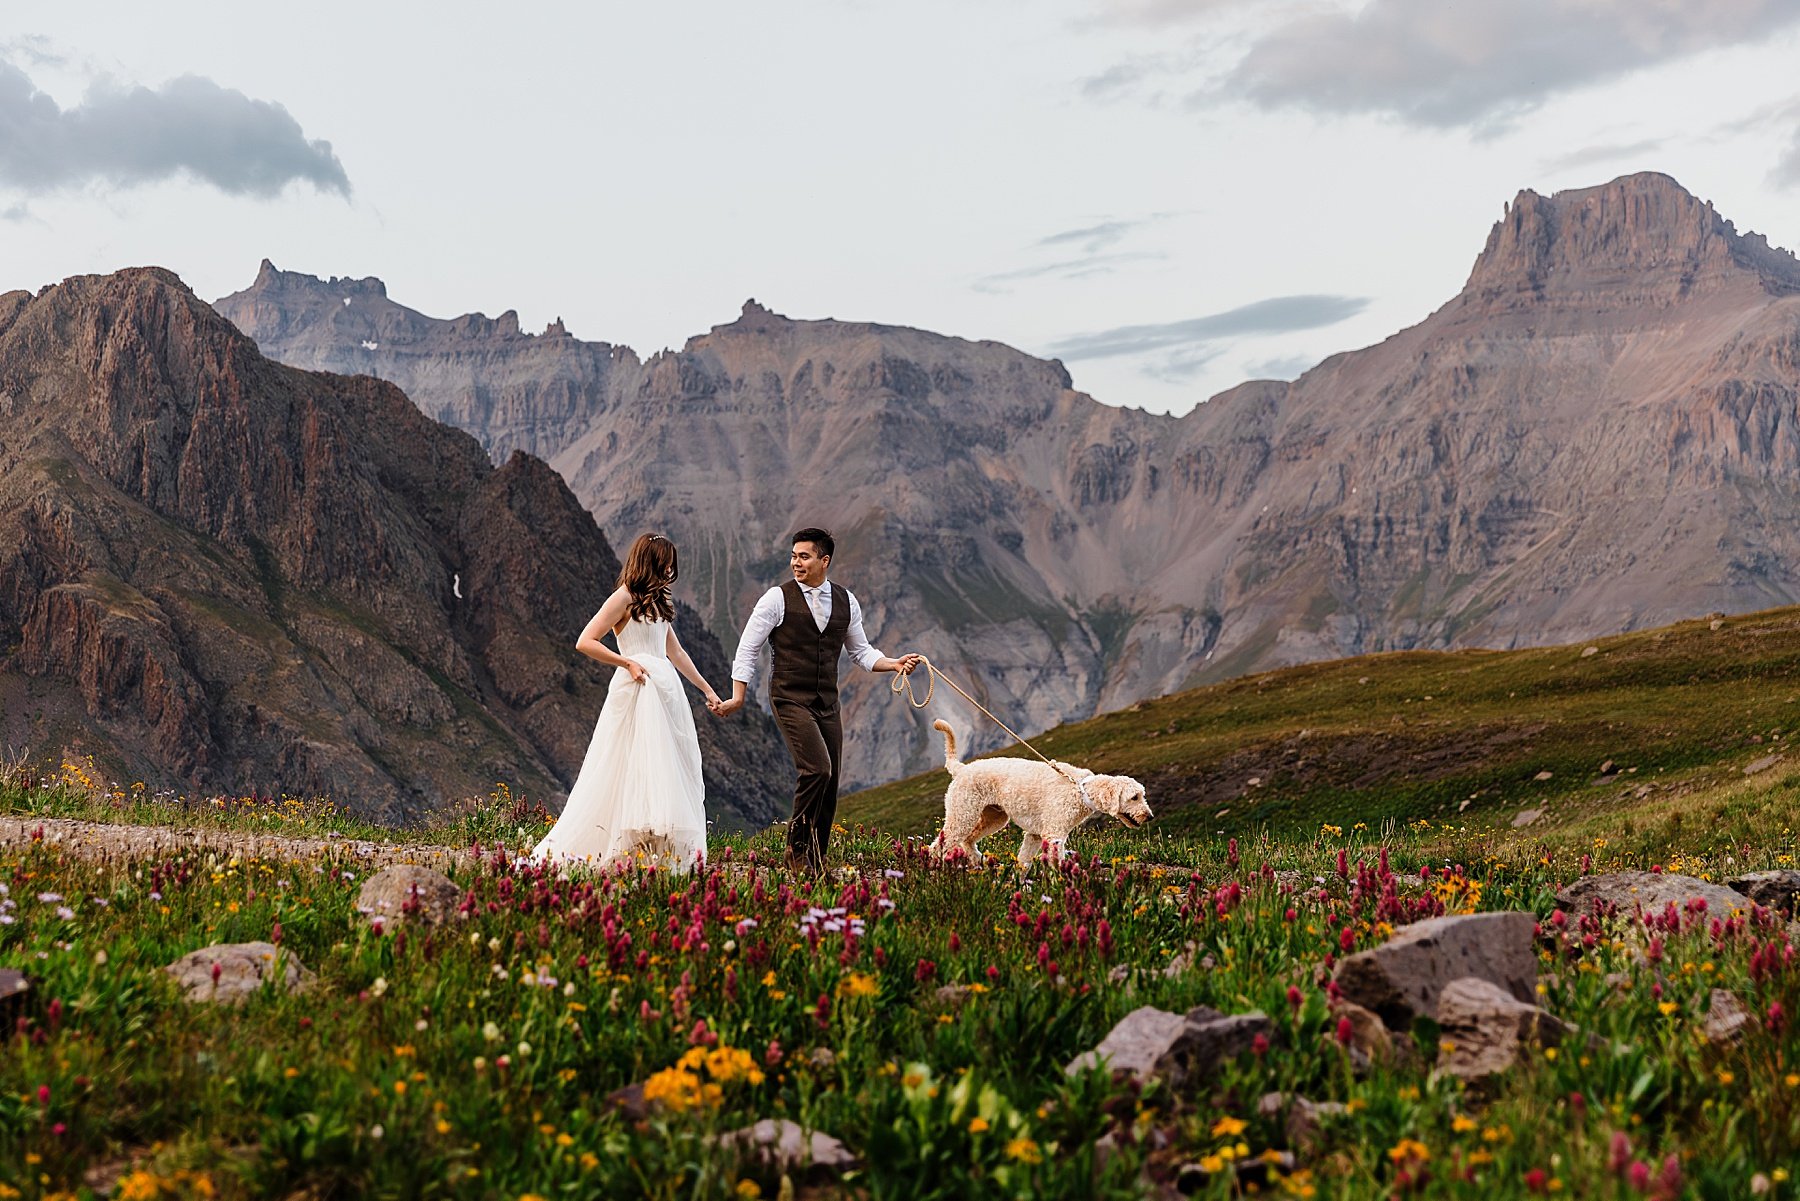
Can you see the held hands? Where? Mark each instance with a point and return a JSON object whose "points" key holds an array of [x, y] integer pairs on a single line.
{"points": [[719, 708]]}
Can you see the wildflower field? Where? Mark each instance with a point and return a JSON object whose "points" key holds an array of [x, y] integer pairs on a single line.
{"points": [[922, 1014]]}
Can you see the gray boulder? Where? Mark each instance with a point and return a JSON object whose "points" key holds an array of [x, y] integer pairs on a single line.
{"points": [[1400, 980], [1304, 1124], [242, 968], [629, 1101], [1486, 1029], [1726, 1019], [786, 1146], [1369, 1035], [1651, 890], [1772, 889], [15, 987], [409, 893], [1153, 1043]]}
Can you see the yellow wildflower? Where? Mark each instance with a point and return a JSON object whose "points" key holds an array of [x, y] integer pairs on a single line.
{"points": [[1024, 1150], [857, 984]]}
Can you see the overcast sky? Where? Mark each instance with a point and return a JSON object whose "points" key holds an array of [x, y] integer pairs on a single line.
{"points": [[1170, 195]]}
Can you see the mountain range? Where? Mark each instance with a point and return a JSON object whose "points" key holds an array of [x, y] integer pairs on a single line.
{"points": [[1596, 434], [220, 574]]}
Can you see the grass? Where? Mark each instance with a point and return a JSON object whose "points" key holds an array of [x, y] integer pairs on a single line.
{"points": [[1425, 734], [477, 1059]]}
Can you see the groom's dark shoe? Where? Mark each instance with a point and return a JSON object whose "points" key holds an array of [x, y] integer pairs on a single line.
{"points": [[801, 867]]}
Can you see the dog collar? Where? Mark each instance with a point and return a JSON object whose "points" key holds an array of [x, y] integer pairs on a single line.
{"points": [[1081, 790]]}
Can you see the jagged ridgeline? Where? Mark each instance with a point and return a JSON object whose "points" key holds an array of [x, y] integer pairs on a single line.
{"points": [[1597, 434], [220, 573]]}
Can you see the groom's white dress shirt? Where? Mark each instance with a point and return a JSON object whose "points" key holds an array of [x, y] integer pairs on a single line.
{"points": [[772, 607]]}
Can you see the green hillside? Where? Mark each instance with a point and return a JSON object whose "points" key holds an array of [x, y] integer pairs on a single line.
{"points": [[1640, 718]]}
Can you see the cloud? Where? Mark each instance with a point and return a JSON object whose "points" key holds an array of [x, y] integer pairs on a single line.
{"points": [[1094, 254], [1276, 315], [1284, 367], [35, 49], [131, 135], [1786, 173], [1448, 63], [1085, 267], [1094, 238], [1163, 12], [1589, 155], [1183, 365], [1780, 117]]}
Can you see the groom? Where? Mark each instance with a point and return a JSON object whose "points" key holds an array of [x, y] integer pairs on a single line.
{"points": [[808, 621]]}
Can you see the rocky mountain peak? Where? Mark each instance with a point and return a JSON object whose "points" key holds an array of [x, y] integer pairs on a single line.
{"points": [[1639, 239], [754, 319], [272, 279], [224, 573]]}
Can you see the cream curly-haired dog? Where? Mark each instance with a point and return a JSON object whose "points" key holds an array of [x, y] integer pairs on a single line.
{"points": [[1045, 802]]}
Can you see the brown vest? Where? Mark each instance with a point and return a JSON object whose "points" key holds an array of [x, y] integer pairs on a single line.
{"points": [[806, 657]]}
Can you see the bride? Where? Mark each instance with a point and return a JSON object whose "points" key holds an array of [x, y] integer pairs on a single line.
{"points": [[639, 796]]}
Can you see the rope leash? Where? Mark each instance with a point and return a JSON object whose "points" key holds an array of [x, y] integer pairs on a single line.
{"points": [[903, 684]]}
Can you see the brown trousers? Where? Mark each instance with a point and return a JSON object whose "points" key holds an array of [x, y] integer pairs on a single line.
{"points": [[817, 742]]}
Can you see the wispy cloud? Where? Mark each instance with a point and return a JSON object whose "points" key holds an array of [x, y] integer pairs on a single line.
{"points": [[1085, 267], [33, 48], [1093, 255], [1781, 119], [126, 135], [1786, 172], [1589, 156], [1182, 365], [1163, 12], [1276, 315], [1283, 367], [1094, 238]]}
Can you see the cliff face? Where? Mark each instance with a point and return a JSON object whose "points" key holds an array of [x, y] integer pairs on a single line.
{"points": [[526, 392], [218, 572], [1598, 433]]}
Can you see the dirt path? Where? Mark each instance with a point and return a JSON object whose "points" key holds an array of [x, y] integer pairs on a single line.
{"points": [[102, 840]]}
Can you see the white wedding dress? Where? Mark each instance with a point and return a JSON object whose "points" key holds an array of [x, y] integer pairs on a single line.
{"points": [[639, 797]]}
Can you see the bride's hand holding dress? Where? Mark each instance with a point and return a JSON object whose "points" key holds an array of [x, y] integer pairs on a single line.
{"points": [[640, 795]]}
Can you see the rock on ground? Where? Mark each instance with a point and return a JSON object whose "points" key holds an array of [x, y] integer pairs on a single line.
{"points": [[406, 892], [1652, 890], [243, 967], [14, 985], [1150, 1042], [1486, 1028], [1304, 1123], [786, 1145], [1726, 1018], [1772, 889], [1401, 979], [1370, 1035]]}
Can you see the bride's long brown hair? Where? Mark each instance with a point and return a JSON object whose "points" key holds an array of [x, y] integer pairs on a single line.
{"points": [[650, 568]]}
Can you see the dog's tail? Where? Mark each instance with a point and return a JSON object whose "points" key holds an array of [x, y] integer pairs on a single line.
{"points": [[951, 763]]}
